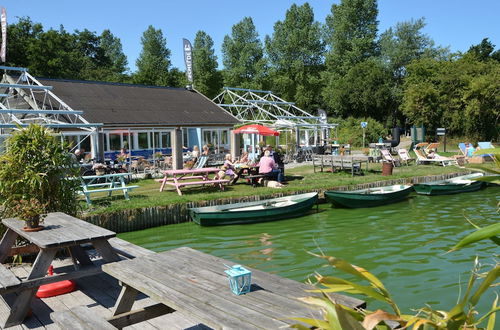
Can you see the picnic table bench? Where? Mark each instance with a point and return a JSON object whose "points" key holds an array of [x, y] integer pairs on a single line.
{"points": [[61, 231], [194, 283], [91, 184], [178, 178]]}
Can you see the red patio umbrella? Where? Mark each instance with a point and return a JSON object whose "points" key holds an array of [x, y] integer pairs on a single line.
{"points": [[256, 129]]}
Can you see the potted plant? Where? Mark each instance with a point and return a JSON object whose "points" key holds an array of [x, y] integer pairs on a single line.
{"points": [[31, 211]]}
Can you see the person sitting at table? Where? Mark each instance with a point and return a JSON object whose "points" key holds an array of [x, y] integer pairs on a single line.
{"points": [[206, 150], [268, 166], [195, 154], [227, 169], [243, 159]]}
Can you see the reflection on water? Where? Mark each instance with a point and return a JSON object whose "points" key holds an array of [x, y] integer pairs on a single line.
{"points": [[404, 244]]}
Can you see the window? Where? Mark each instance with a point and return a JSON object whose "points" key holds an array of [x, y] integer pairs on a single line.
{"points": [[143, 140], [224, 137], [85, 143], [185, 140], [115, 141], [166, 140]]}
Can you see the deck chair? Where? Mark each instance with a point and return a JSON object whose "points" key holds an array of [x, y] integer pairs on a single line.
{"points": [[200, 162], [405, 156], [386, 156]]}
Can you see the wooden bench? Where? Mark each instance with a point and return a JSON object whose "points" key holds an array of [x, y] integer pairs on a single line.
{"points": [[337, 163], [81, 318]]}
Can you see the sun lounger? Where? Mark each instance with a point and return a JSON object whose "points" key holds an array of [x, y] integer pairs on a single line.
{"points": [[440, 160]]}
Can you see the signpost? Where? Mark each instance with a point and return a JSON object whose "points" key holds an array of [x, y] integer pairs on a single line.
{"points": [[442, 131], [364, 124]]}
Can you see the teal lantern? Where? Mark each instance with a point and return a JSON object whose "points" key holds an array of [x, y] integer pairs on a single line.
{"points": [[240, 279]]}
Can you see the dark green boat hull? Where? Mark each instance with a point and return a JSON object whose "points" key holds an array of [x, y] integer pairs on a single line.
{"points": [[447, 189], [219, 218], [359, 200]]}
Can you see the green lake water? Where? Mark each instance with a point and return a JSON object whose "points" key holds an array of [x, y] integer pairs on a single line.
{"points": [[404, 244]]}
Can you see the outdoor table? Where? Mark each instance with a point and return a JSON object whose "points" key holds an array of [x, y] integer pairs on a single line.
{"points": [[194, 283], [61, 231], [105, 183], [177, 178]]}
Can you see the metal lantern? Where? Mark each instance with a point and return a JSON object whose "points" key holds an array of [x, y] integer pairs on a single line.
{"points": [[240, 279]]}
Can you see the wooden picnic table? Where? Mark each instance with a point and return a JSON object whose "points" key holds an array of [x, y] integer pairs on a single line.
{"points": [[105, 183], [179, 178], [61, 231], [194, 283]]}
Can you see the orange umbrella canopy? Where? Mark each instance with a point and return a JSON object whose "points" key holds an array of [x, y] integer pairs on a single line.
{"points": [[256, 129]]}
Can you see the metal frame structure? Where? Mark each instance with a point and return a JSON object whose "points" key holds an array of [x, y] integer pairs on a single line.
{"points": [[263, 107], [24, 100]]}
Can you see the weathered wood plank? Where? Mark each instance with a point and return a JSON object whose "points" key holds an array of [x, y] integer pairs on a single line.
{"points": [[286, 287], [7, 278], [188, 301], [125, 319], [127, 249], [261, 300], [80, 318]]}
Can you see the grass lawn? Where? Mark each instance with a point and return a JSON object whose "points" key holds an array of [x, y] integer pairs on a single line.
{"points": [[299, 179]]}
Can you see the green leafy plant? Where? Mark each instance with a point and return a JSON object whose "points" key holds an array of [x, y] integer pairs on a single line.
{"points": [[29, 210], [338, 316], [36, 166]]}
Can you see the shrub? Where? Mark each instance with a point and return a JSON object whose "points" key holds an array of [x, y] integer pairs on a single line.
{"points": [[350, 131], [36, 166]]}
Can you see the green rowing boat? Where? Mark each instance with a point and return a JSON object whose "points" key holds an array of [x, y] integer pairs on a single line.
{"points": [[251, 212], [459, 184], [369, 197]]}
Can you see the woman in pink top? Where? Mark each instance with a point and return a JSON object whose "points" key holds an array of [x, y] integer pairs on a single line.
{"points": [[269, 167]]}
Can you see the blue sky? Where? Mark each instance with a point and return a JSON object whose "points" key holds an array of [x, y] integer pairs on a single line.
{"points": [[454, 23]]}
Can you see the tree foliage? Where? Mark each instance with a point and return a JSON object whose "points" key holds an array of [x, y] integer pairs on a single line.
{"points": [[112, 48], [461, 95], [295, 52], [207, 79], [153, 63], [243, 56]]}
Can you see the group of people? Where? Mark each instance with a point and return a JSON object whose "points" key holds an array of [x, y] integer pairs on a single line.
{"points": [[270, 165]]}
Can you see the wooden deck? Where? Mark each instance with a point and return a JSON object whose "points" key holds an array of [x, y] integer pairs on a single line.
{"points": [[98, 293]]}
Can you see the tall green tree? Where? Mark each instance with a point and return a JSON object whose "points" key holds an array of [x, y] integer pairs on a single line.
{"points": [[207, 79], [53, 55], [350, 33], [484, 51], [113, 50], [20, 36], [406, 42], [153, 63], [399, 46], [295, 52], [243, 57]]}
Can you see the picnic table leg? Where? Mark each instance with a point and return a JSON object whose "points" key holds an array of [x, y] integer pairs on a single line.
{"points": [[176, 182], [79, 254], [125, 300], [106, 250], [163, 183], [8, 240], [124, 186], [23, 300]]}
